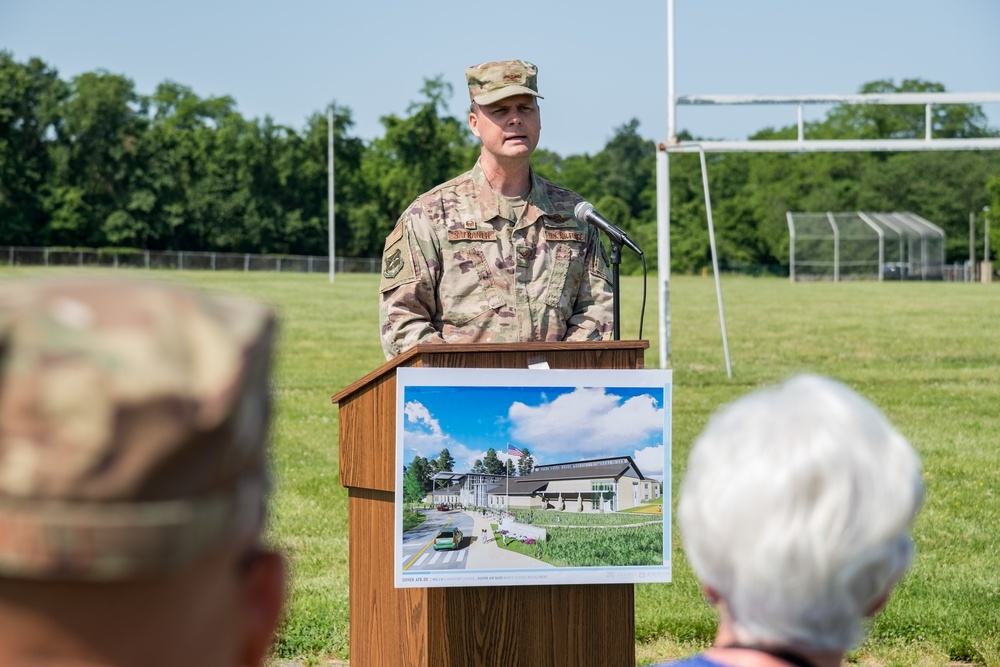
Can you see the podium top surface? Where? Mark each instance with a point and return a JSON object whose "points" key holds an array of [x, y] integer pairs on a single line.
{"points": [[427, 354]]}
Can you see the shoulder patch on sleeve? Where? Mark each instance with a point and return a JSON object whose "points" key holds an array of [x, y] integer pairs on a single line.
{"points": [[397, 263], [394, 235]]}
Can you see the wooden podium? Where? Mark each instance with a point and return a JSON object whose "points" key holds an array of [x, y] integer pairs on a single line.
{"points": [[565, 625]]}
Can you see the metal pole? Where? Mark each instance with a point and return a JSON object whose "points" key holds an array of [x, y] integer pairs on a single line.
{"points": [[663, 251], [972, 247], [671, 92], [836, 246], [715, 264], [791, 246], [329, 189], [663, 199], [616, 260], [986, 233]]}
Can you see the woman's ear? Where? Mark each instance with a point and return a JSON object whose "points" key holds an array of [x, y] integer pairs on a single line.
{"points": [[878, 605]]}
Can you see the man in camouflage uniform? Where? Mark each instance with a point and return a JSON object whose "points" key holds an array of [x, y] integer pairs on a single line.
{"points": [[495, 255], [133, 477]]}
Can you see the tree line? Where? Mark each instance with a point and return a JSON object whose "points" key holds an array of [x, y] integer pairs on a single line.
{"points": [[418, 476], [91, 162]]}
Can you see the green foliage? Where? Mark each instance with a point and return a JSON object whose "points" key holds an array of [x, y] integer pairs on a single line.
{"points": [[412, 519], [30, 96], [413, 487], [878, 121], [421, 470], [563, 519], [492, 463], [526, 463], [610, 546], [445, 462], [992, 214], [92, 162]]}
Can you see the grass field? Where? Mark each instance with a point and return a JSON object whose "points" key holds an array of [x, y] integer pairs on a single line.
{"points": [[927, 354]]}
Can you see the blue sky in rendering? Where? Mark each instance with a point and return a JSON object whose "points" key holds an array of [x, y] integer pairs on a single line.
{"points": [[555, 424]]}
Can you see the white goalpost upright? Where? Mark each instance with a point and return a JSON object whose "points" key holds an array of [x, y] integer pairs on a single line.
{"points": [[798, 145]]}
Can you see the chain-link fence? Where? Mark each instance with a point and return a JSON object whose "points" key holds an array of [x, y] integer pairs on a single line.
{"points": [[170, 259], [864, 245]]}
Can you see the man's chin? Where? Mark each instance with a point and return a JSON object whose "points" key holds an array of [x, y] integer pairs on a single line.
{"points": [[514, 148]]}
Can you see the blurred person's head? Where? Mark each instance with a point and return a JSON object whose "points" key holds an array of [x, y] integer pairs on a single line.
{"points": [[795, 512], [134, 476]]}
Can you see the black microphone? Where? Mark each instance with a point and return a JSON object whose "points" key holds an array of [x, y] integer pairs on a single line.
{"points": [[585, 212]]}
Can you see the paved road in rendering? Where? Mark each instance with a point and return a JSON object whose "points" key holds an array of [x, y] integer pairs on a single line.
{"points": [[418, 544]]}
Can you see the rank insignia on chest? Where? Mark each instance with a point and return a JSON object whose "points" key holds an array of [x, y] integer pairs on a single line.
{"points": [[393, 264]]}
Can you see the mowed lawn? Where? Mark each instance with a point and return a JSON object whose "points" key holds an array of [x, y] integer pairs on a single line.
{"points": [[927, 353]]}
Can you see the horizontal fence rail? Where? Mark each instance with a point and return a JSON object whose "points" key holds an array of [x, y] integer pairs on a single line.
{"points": [[182, 260], [231, 261]]}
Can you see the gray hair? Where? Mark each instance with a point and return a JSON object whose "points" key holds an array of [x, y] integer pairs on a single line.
{"points": [[796, 509]]}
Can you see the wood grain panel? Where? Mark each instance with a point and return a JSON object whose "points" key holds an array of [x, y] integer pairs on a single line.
{"points": [[388, 624], [454, 627], [555, 626]]}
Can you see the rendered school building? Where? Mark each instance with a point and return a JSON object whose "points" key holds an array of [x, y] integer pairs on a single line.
{"points": [[595, 485]]}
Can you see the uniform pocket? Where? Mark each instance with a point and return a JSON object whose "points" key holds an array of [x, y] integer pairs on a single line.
{"points": [[472, 289], [555, 293]]}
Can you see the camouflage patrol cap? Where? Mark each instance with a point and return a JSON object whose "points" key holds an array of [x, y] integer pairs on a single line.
{"points": [[133, 422], [491, 82]]}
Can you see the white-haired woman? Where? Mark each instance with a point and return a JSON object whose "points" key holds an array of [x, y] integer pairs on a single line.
{"points": [[795, 513]]}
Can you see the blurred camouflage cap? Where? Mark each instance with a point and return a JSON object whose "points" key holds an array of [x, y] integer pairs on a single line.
{"points": [[133, 423], [491, 82]]}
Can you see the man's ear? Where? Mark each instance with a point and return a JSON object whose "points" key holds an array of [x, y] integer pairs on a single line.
{"points": [[474, 123], [263, 591]]}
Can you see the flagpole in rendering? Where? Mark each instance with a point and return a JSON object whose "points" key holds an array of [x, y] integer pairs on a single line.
{"points": [[506, 493]]}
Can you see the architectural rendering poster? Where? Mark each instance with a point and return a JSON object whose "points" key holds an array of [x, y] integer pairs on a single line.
{"points": [[537, 476]]}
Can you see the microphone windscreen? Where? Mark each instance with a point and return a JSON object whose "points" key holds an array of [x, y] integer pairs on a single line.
{"points": [[582, 209]]}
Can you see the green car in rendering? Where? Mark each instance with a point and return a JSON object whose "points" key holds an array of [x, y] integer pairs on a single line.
{"points": [[448, 538]]}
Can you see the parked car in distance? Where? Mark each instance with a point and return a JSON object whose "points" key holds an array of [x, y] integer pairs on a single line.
{"points": [[448, 538], [442, 508]]}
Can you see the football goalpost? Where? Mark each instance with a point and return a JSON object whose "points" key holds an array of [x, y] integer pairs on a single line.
{"points": [[798, 145]]}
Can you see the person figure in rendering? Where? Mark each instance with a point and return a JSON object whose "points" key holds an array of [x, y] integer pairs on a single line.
{"points": [[495, 255], [795, 513], [134, 477]]}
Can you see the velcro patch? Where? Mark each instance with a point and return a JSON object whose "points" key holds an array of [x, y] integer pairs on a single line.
{"points": [[397, 264], [472, 235], [564, 235]]}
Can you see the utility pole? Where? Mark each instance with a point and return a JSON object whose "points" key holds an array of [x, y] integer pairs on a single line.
{"points": [[986, 275], [329, 192]]}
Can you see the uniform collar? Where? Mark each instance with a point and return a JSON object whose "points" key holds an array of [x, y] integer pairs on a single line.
{"points": [[538, 205]]}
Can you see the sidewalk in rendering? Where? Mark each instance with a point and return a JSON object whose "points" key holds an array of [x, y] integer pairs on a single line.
{"points": [[484, 556]]}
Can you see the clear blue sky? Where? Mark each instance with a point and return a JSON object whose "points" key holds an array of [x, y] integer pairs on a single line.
{"points": [[601, 63]]}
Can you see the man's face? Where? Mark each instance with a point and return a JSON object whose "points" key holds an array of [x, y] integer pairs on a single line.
{"points": [[508, 128]]}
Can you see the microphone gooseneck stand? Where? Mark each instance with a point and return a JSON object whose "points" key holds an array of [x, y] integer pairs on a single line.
{"points": [[616, 260], [584, 211]]}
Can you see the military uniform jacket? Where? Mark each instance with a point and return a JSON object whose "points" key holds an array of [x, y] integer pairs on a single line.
{"points": [[455, 271]]}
